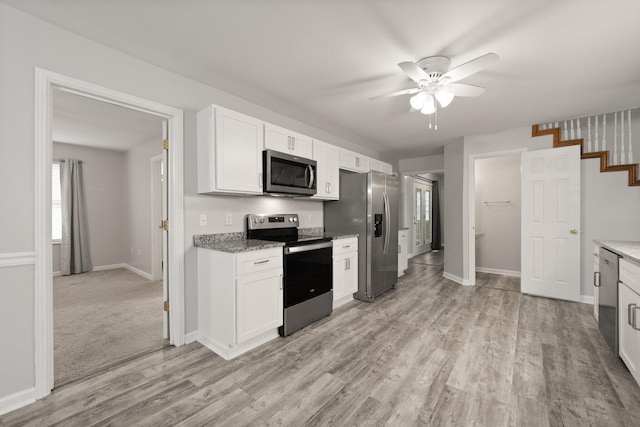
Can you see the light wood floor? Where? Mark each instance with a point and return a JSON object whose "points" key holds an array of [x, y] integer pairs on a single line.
{"points": [[430, 352]]}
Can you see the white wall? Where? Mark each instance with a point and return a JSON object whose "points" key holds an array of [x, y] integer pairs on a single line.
{"points": [[105, 191], [27, 43], [137, 210], [606, 200], [497, 179]]}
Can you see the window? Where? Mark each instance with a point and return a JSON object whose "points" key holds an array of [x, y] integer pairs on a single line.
{"points": [[56, 204]]}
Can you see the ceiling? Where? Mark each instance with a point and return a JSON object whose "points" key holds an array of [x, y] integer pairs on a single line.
{"points": [[320, 61], [84, 121]]}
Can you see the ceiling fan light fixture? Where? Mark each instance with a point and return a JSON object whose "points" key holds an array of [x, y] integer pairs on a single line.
{"points": [[417, 101], [429, 105], [444, 97]]}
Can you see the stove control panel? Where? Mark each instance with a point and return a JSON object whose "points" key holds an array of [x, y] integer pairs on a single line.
{"points": [[255, 221]]}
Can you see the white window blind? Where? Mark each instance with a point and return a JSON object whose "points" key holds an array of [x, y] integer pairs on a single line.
{"points": [[56, 204]]}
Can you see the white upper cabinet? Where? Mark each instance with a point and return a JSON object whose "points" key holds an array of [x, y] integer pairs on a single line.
{"points": [[229, 152], [377, 165], [355, 162], [286, 141], [328, 170]]}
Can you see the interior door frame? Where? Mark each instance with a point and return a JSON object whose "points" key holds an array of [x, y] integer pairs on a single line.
{"points": [[419, 181], [43, 292], [155, 224], [469, 235]]}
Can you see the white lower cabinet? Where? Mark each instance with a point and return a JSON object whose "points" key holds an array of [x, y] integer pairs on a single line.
{"points": [[629, 316], [403, 246], [345, 270], [240, 299]]}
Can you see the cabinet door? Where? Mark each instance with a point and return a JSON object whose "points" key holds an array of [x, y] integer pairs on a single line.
{"points": [[259, 303], [377, 165], [285, 141], [345, 274], [339, 276], [239, 141], [629, 336], [328, 157], [354, 162], [351, 274], [403, 262]]}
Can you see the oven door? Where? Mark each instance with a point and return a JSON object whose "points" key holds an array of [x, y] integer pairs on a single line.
{"points": [[308, 272], [287, 174]]}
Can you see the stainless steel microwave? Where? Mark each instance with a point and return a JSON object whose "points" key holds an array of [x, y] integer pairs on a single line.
{"points": [[288, 175]]}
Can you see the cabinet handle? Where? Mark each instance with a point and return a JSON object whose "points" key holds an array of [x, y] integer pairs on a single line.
{"points": [[634, 317], [346, 246], [264, 261], [260, 179], [399, 249], [281, 281], [347, 264], [288, 143], [357, 162], [596, 283], [293, 142], [629, 314], [328, 187]]}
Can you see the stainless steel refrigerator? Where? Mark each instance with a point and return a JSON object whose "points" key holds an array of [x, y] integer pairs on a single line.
{"points": [[369, 207]]}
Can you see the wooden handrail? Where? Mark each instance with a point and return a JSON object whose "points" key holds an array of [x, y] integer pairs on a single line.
{"points": [[631, 169]]}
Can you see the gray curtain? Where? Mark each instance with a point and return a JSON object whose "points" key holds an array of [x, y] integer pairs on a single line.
{"points": [[436, 243], [75, 256]]}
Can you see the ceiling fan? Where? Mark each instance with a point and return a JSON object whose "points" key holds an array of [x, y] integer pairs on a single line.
{"points": [[437, 83]]}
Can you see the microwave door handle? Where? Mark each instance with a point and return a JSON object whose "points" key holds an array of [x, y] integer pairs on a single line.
{"points": [[312, 176]]}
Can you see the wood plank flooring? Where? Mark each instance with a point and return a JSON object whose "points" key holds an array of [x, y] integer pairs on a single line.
{"points": [[430, 352]]}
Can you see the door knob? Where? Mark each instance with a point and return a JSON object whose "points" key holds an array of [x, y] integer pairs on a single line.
{"points": [[573, 231]]}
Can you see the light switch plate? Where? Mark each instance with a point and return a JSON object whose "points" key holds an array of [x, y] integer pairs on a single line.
{"points": [[203, 220]]}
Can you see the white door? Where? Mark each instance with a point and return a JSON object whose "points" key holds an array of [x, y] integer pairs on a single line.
{"points": [[165, 233], [551, 223]]}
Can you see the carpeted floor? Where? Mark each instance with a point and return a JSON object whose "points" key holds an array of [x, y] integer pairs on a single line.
{"points": [[101, 318]]}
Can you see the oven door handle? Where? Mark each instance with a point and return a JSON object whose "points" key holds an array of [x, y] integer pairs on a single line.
{"points": [[305, 248]]}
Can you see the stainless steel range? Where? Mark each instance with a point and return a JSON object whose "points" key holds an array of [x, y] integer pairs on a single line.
{"points": [[308, 274]]}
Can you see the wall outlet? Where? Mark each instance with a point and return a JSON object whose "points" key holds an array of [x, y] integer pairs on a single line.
{"points": [[228, 219], [310, 218], [203, 220]]}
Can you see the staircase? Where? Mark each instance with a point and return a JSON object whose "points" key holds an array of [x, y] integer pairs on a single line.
{"points": [[606, 165]]}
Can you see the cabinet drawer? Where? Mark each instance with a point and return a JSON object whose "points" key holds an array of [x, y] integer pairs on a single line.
{"points": [[630, 274], [254, 261], [342, 246]]}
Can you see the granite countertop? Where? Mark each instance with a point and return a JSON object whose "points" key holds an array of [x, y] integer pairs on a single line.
{"points": [[624, 248], [238, 242]]}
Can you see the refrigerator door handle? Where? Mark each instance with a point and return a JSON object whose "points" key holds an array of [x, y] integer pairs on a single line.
{"points": [[387, 221]]}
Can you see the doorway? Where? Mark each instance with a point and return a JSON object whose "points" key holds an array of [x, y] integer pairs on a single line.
{"points": [[43, 314], [493, 240], [422, 214]]}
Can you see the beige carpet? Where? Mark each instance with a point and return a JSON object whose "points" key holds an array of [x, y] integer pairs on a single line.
{"points": [[101, 318]]}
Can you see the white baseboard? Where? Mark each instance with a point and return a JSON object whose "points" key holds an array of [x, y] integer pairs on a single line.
{"points": [[498, 271], [13, 259], [228, 352], [108, 267], [191, 337], [138, 272], [457, 279], [17, 400], [113, 267], [342, 301], [586, 299]]}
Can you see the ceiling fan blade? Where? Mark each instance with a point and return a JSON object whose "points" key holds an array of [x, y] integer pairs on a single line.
{"points": [[412, 70], [461, 89], [471, 67], [398, 93]]}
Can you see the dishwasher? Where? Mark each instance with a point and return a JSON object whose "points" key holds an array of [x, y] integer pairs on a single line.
{"points": [[608, 298]]}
